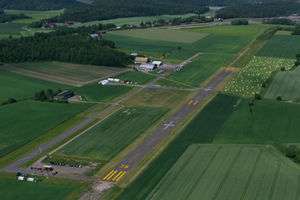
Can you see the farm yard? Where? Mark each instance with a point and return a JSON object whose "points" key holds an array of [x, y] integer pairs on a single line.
{"points": [[24, 117], [285, 85], [250, 80], [21, 87], [46, 189], [229, 172], [112, 135], [65, 73]]}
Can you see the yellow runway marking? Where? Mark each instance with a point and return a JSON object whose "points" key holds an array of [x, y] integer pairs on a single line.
{"points": [[112, 175], [123, 174], [117, 176], [112, 171]]}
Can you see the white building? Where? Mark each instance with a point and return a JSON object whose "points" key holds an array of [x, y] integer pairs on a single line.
{"points": [[157, 63], [147, 67]]}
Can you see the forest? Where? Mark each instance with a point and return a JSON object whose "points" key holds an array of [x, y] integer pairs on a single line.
{"points": [[38, 4], [64, 45], [259, 10]]}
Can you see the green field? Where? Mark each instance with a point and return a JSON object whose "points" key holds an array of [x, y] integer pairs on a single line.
{"points": [[162, 34], [16, 86], [13, 29], [202, 129], [219, 39], [250, 79], [99, 93], [285, 85], [271, 122], [35, 15], [115, 133], [283, 46], [66, 72], [11, 189], [229, 172], [136, 77], [201, 68], [25, 121]]}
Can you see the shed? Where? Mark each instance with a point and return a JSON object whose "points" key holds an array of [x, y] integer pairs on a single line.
{"points": [[141, 60], [147, 67]]}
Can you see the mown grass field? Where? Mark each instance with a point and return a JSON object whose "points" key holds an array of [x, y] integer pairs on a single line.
{"points": [[16, 86], [285, 85], [115, 133], [202, 129], [250, 79], [271, 122], [99, 93], [229, 172], [157, 97], [136, 77], [25, 121], [282, 46], [11, 189], [35, 15], [162, 34], [65, 72], [200, 69]]}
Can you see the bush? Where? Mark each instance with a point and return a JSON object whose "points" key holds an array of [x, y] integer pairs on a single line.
{"points": [[257, 96], [279, 98], [239, 22], [291, 152], [9, 101]]}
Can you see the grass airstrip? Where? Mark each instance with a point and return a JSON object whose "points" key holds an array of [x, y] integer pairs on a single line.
{"points": [[113, 134]]}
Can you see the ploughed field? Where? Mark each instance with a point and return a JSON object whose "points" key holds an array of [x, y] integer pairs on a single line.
{"points": [[115, 133], [23, 122], [229, 172]]}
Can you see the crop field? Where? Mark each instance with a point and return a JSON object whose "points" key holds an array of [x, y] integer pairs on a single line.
{"points": [[202, 129], [11, 189], [19, 121], [158, 97], [67, 73], [201, 68], [99, 93], [229, 172], [136, 77], [250, 79], [270, 122], [16, 86], [115, 133], [160, 34], [285, 85], [35, 15], [283, 46]]}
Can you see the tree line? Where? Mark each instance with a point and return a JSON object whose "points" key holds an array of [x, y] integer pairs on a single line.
{"points": [[65, 45]]}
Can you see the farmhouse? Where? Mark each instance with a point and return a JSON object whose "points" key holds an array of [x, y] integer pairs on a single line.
{"points": [[141, 60]]}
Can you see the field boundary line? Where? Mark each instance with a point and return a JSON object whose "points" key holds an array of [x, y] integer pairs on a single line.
{"points": [[230, 167], [275, 180]]}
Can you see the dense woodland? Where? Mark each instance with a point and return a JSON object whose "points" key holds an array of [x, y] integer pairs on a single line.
{"points": [[10, 17], [259, 10], [65, 45], [38, 4]]}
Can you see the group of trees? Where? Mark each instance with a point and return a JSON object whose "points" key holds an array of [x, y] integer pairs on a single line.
{"points": [[238, 22], [46, 95], [8, 101], [10, 17], [259, 10], [66, 45], [279, 21]]}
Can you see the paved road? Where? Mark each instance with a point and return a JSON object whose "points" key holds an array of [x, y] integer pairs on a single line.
{"points": [[133, 158], [42, 148]]}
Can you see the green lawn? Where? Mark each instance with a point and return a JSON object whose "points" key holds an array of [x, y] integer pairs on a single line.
{"points": [[99, 93], [250, 79], [201, 68], [11, 189], [229, 172], [283, 46], [16, 86], [136, 77], [202, 129], [25, 121], [286, 85], [108, 138], [271, 122]]}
